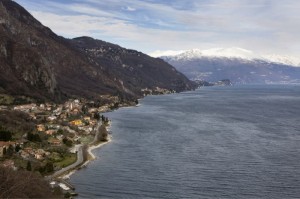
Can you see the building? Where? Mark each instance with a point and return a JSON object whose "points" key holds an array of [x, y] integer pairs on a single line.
{"points": [[40, 127], [25, 107], [76, 122], [55, 142], [51, 118], [51, 132], [87, 118]]}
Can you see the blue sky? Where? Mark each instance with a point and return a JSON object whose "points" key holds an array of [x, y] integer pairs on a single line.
{"points": [[263, 26]]}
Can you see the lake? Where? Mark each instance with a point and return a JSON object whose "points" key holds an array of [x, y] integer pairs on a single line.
{"points": [[215, 142]]}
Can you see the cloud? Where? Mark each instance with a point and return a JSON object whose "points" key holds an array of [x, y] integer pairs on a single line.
{"points": [[267, 26], [131, 9], [159, 53]]}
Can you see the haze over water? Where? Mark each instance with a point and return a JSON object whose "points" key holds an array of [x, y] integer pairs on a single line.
{"points": [[216, 142]]}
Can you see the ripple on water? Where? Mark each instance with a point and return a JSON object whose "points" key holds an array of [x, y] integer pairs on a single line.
{"points": [[230, 142]]}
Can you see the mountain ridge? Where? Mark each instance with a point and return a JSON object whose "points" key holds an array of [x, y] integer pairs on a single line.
{"points": [[36, 62], [239, 65]]}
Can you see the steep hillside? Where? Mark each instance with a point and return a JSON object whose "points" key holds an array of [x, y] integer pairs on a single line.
{"points": [[133, 69], [36, 62]]}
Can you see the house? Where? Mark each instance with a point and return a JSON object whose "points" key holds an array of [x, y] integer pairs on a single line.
{"points": [[55, 142], [63, 116], [93, 122], [24, 154], [40, 154], [32, 116], [75, 111], [48, 106], [40, 127], [51, 118], [42, 107], [60, 137], [28, 150], [93, 110], [26, 107], [53, 126], [51, 132], [76, 122], [87, 118], [3, 108]]}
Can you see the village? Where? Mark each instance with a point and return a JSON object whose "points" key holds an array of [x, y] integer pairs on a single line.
{"points": [[58, 132]]}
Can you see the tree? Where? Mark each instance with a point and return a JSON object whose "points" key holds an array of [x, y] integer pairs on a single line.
{"points": [[18, 148], [10, 150], [28, 167], [67, 142], [97, 116], [60, 131], [33, 137], [24, 184], [84, 109], [49, 167], [103, 134], [5, 135]]}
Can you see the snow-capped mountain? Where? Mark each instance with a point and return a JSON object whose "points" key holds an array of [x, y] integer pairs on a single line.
{"points": [[239, 65], [287, 60], [237, 53], [230, 53]]}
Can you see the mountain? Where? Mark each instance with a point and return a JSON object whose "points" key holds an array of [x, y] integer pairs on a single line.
{"points": [[37, 63], [239, 65], [132, 69]]}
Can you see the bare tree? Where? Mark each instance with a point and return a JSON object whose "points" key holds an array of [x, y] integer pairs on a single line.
{"points": [[23, 184]]}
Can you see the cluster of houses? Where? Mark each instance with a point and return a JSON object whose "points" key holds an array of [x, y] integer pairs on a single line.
{"points": [[70, 121], [25, 153], [29, 152], [156, 91]]}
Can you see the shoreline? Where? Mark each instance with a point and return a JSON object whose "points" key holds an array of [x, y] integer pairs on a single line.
{"points": [[91, 157], [80, 155], [93, 147], [63, 177]]}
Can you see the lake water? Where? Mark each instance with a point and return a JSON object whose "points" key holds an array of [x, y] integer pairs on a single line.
{"points": [[216, 142]]}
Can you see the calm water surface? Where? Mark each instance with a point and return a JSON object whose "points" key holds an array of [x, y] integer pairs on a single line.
{"points": [[217, 142]]}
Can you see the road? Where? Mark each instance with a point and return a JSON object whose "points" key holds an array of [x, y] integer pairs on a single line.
{"points": [[72, 166], [79, 156]]}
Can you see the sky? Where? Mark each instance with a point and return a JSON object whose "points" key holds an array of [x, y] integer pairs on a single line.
{"points": [[262, 26]]}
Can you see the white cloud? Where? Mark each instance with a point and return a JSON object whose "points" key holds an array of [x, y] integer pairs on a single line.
{"points": [[160, 53], [131, 9], [268, 26]]}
